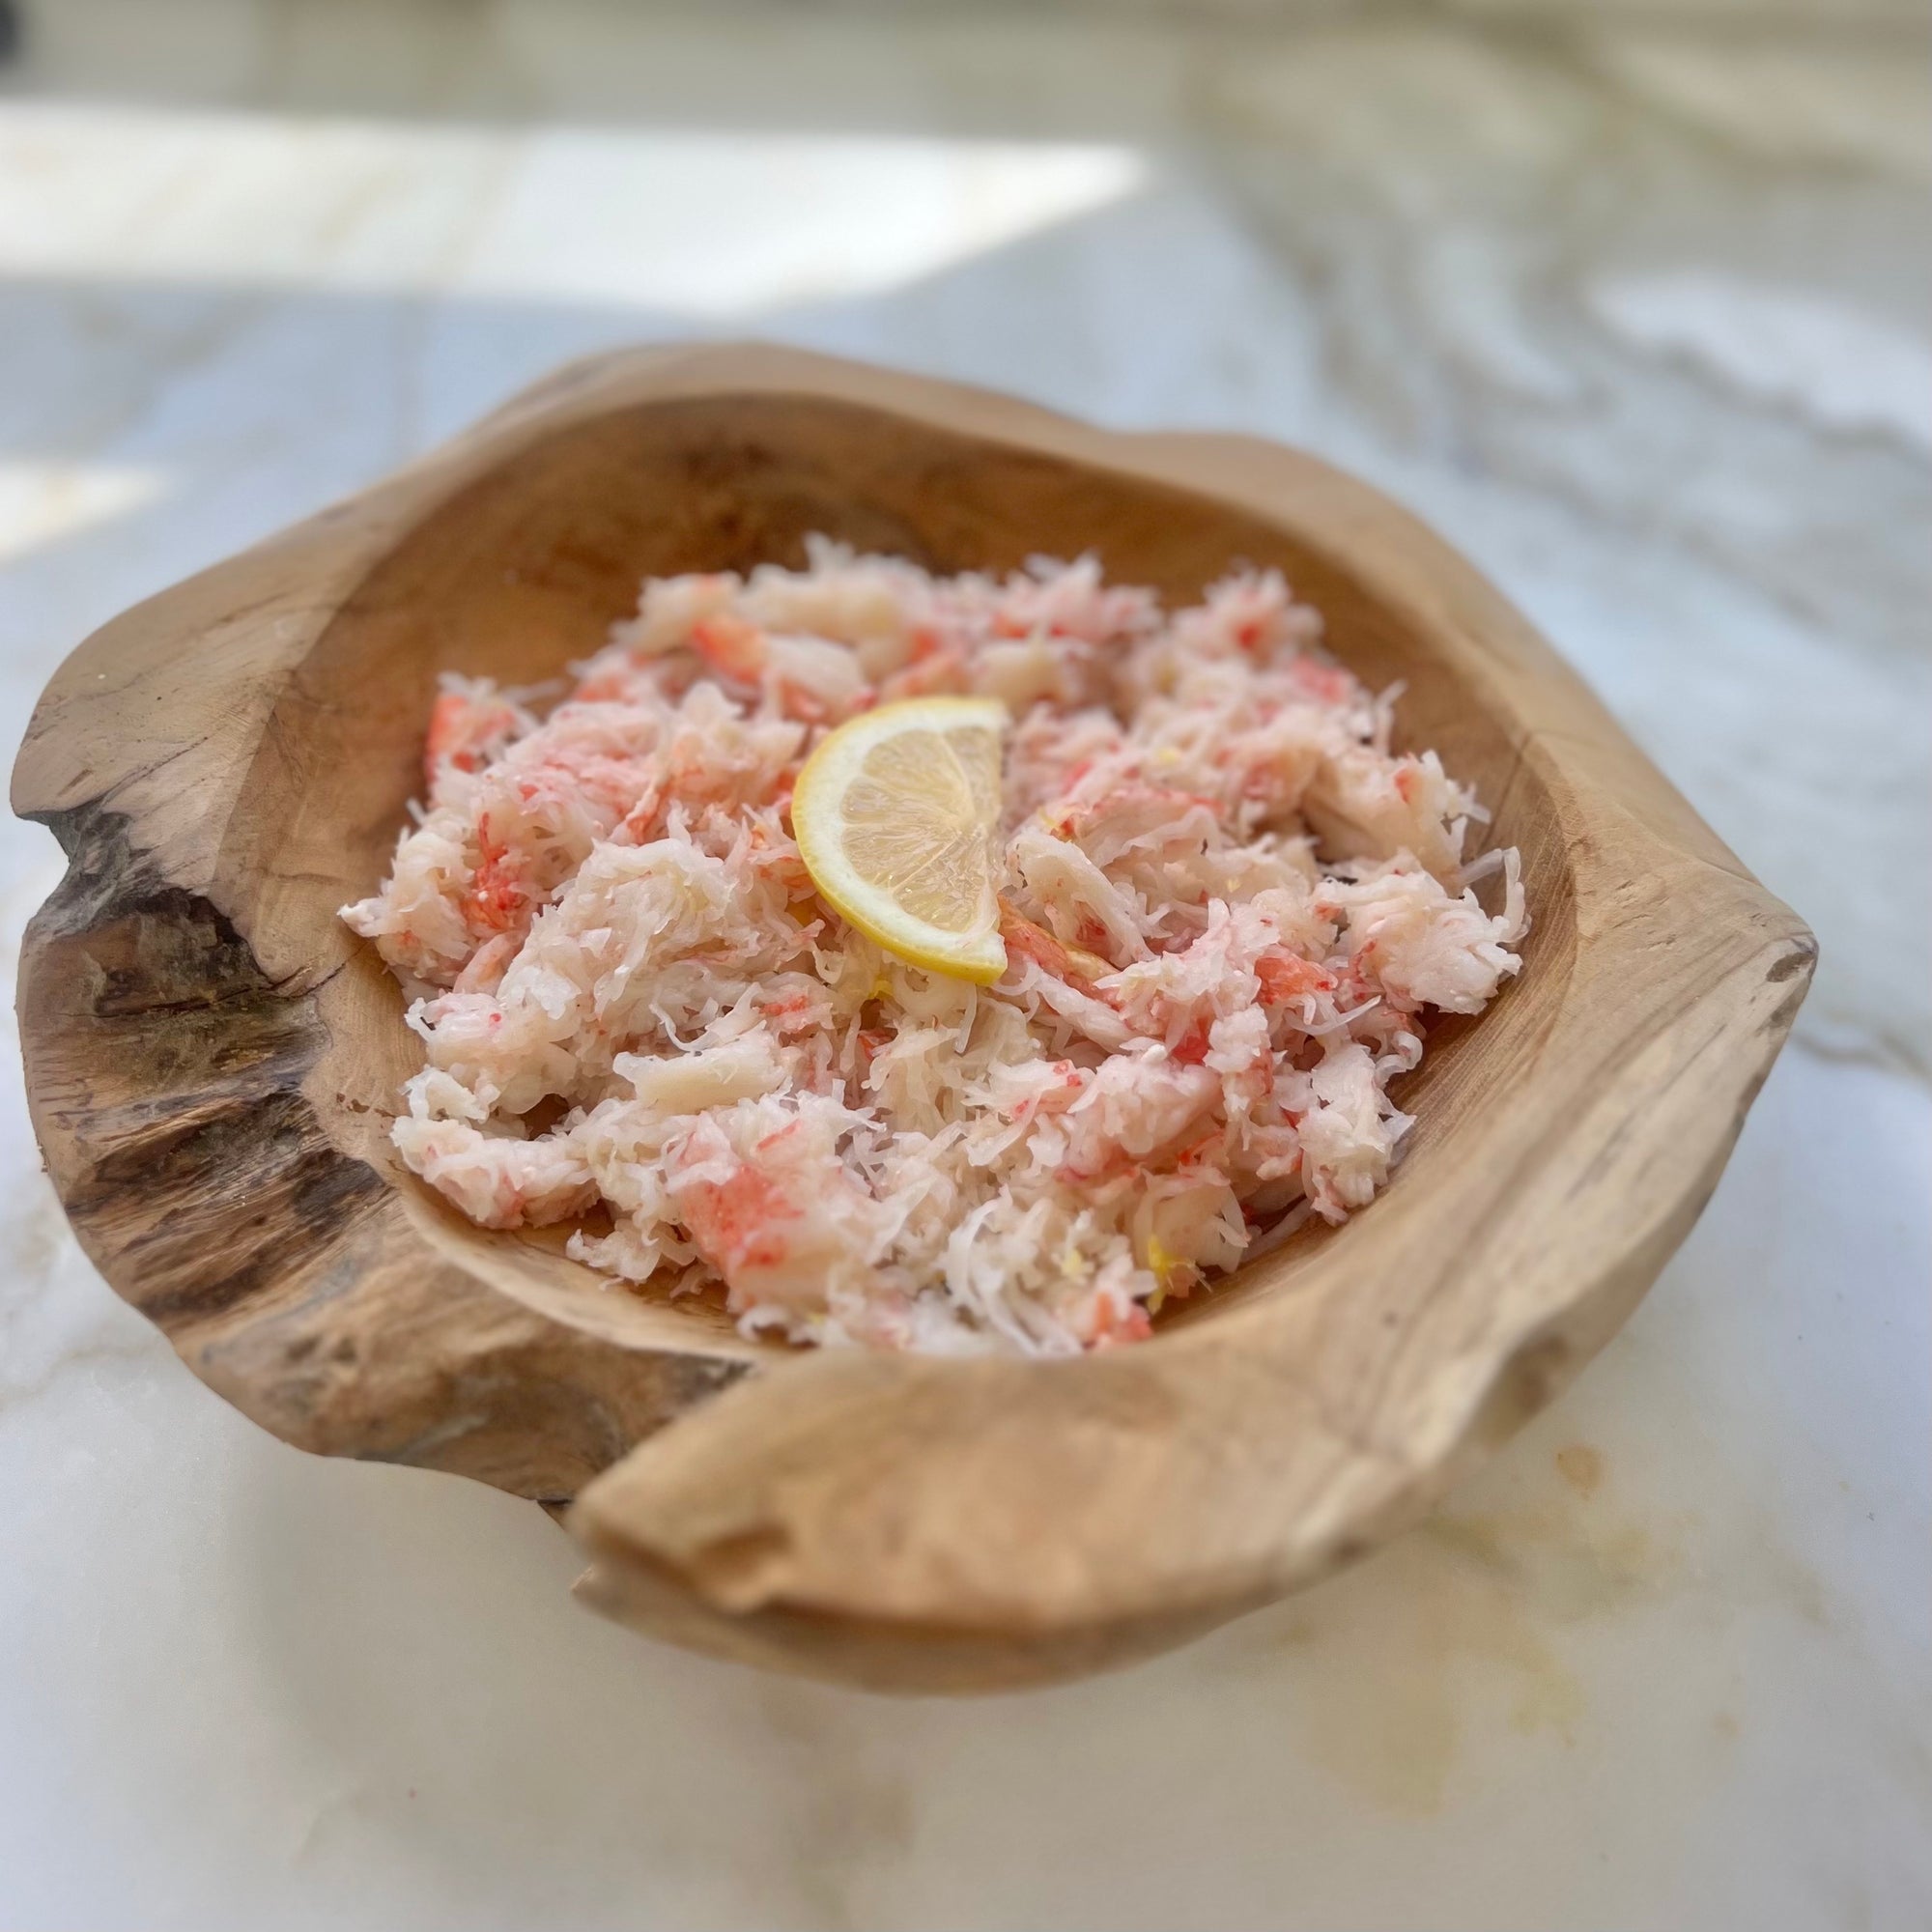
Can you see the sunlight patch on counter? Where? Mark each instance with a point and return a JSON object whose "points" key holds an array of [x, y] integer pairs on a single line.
{"points": [[711, 224], [42, 501]]}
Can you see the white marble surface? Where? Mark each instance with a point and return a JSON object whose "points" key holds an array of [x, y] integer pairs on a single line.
{"points": [[1637, 316]]}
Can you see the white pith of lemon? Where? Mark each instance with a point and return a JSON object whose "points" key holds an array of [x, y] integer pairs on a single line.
{"points": [[894, 814]]}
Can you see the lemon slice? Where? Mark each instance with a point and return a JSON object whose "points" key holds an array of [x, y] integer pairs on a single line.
{"points": [[894, 814]]}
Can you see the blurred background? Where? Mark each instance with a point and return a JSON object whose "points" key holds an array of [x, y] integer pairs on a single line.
{"points": [[1631, 300]]}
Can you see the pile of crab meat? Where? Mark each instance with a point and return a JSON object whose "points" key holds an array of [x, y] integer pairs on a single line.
{"points": [[1229, 907]]}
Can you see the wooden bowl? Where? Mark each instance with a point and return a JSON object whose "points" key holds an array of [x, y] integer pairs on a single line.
{"points": [[213, 1059]]}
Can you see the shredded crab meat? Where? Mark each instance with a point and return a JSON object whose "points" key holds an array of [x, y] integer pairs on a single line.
{"points": [[1229, 908]]}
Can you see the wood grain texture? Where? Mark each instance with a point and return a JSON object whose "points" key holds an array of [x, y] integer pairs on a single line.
{"points": [[213, 1061]]}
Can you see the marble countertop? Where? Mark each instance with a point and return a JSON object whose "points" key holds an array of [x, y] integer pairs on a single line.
{"points": [[1635, 314]]}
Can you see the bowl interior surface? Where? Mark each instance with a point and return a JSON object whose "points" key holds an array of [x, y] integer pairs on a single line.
{"points": [[524, 571]]}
